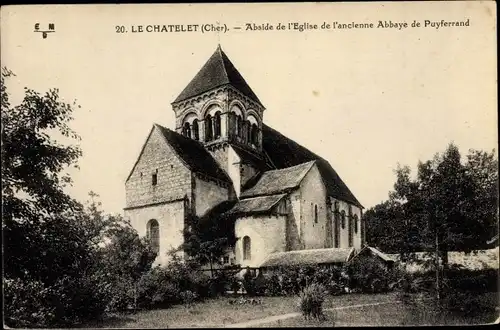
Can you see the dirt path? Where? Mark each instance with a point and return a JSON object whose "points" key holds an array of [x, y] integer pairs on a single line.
{"points": [[275, 318]]}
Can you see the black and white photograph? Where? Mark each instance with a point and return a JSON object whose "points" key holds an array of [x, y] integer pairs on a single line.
{"points": [[249, 165]]}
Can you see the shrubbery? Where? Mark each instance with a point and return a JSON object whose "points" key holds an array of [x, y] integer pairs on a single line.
{"points": [[289, 281], [311, 300], [370, 276]]}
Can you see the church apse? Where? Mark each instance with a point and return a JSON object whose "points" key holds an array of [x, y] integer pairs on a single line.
{"points": [[219, 151]]}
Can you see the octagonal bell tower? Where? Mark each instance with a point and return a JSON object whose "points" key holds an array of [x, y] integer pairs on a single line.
{"points": [[219, 109]]}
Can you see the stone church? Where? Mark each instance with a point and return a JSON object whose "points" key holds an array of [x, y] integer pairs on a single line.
{"points": [[285, 197]]}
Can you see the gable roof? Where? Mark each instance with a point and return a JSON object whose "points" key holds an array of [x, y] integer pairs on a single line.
{"points": [[194, 155], [191, 152], [277, 181], [256, 205], [217, 71], [375, 252], [308, 257], [284, 152]]}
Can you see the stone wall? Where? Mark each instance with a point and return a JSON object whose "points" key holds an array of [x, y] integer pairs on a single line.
{"points": [[207, 195], [170, 217], [267, 235], [313, 196], [344, 232], [173, 177], [294, 229], [220, 153]]}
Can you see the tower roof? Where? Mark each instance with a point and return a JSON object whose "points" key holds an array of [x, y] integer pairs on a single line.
{"points": [[217, 71]]}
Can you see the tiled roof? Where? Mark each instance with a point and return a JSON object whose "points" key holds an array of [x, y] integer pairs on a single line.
{"points": [[261, 204], [194, 155], [284, 152], [217, 71], [277, 181], [308, 257]]}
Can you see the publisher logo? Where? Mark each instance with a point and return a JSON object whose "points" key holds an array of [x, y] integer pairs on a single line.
{"points": [[51, 27]]}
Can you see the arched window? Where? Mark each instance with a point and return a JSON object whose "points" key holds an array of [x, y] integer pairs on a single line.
{"points": [[342, 218], [315, 213], [153, 234], [195, 129], [249, 131], [186, 130], [255, 134], [208, 128], [217, 125], [239, 129], [246, 248], [351, 235], [355, 223]]}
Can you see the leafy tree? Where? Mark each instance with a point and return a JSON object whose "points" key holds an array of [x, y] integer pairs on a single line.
{"points": [[50, 241], [385, 227], [34, 202], [206, 238], [125, 258], [449, 206]]}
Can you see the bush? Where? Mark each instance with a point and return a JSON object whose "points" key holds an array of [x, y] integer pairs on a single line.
{"points": [[467, 304], [273, 287], [260, 284], [483, 280], [235, 285], [291, 280], [311, 301], [369, 276], [156, 288], [249, 283], [188, 297], [68, 301], [25, 304]]}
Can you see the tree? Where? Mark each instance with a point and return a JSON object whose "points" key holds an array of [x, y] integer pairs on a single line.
{"points": [[449, 206], [385, 227], [32, 184], [125, 258], [206, 238], [48, 247]]}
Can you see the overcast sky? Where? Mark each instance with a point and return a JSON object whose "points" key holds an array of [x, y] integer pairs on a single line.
{"points": [[364, 99]]}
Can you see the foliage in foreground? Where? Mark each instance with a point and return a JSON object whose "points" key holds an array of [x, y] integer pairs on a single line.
{"points": [[311, 301], [57, 271]]}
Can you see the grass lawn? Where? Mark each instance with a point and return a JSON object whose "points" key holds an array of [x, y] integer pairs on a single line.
{"points": [[219, 313], [389, 315]]}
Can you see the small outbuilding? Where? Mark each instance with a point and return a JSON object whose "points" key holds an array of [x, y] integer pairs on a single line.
{"points": [[369, 253]]}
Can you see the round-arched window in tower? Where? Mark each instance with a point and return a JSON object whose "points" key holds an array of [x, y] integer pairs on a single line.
{"points": [[208, 128], [342, 218], [153, 234], [217, 123], [195, 130]]}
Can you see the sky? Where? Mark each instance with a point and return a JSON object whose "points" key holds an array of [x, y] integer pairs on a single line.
{"points": [[364, 99]]}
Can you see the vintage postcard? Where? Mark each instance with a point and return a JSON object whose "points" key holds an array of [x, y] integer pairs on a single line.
{"points": [[250, 165]]}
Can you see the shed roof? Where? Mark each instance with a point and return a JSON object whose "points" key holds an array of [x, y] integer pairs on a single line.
{"points": [[261, 204], [308, 257], [280, 180]]}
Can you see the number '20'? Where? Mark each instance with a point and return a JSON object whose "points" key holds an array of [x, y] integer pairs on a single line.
{"points": [[120, 29]]}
